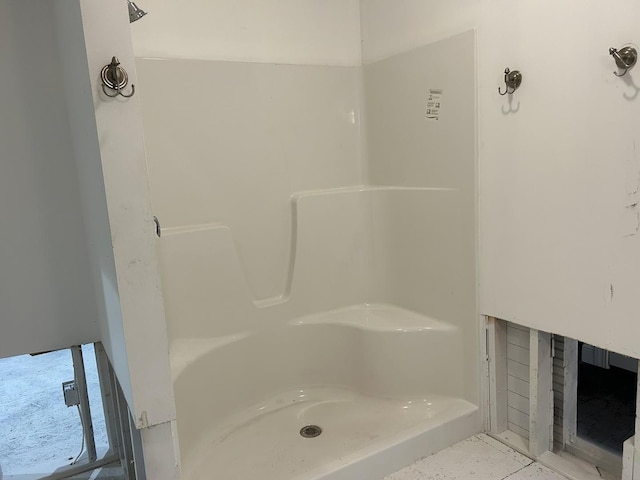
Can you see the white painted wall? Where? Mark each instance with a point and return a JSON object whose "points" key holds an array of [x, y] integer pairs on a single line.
{"points": [[108, 148], [317, 32], [77, 260], [46, 296], [559, 234], [558, 167], [119, 204], [85, 152]]}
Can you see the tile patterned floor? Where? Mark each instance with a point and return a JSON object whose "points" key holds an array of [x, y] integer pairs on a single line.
{"points": [[478, 458]]}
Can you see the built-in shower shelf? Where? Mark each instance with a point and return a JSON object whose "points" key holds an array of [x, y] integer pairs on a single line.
{"points": [[377, 317]]}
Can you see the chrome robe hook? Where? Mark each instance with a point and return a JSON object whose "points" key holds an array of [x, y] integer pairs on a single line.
{"points": [[115, 78], [625, 58], [512, 81]]}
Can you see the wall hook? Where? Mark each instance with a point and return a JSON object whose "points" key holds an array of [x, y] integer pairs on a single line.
{"points": [[512, 81], [158, 229], [625, 58], [115, 78]]}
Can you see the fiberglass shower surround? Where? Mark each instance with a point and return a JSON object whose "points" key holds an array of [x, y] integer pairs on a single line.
{"points": [[296, 297]]}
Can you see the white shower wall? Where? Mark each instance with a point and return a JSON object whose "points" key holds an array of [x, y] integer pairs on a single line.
{"points": [[428, 241], [266, 103], [236, 140], [229, 147]]}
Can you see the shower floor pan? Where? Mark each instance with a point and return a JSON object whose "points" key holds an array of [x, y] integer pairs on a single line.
{"points": [[384, 385], [362, 437]]}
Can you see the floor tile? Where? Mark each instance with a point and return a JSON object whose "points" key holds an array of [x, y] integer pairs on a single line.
{"points": [[478, 458], [472, 458], [536, 472], [409, 473], [510, 452]]}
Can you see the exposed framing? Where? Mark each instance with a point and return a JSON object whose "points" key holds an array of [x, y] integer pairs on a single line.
{"points": [[571, 442], [540, 388], [497, 365], [125, 441], [540, 444], [569, 395], [540, 393], [92, 461], [127, 437], [85, 409]]}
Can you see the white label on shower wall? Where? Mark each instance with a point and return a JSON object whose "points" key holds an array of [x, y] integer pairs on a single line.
{"points": [[434, 105]]}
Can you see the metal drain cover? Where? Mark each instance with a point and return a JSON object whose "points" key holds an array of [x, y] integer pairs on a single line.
{"points": [[310, 431]]}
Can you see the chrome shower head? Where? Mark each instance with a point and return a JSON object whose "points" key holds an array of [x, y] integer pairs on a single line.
{"points": [[135, 13]]}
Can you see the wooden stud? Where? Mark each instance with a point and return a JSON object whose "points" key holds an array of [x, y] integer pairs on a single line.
{"points": [[497, 362], [570, 405], [540, 393]]}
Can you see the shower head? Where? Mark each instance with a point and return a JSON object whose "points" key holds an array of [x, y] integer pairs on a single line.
{"points": [[135, 13]]}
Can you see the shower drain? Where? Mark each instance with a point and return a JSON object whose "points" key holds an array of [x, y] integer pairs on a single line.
{"points": [[310, 431]]}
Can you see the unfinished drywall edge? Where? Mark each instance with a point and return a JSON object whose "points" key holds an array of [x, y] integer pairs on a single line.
{"points": [[541, 406]]}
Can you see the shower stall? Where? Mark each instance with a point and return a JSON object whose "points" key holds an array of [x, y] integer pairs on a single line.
{"points": [[318, 260], [304, 305]]}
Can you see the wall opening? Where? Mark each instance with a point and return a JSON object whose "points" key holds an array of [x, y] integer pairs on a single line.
{"points": [[594, 403], [606, 397], [561, 400], [60, 417]]}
